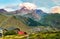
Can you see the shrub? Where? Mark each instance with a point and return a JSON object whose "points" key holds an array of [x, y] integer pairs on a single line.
{"points": [[10, 32]]}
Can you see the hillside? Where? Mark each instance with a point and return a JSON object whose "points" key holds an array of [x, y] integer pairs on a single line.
{"points": [[10, 22], [25, 24], [48, 23], [28, 21]]}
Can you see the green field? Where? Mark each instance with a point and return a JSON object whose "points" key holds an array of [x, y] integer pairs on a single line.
{"points": [[38, 35]]}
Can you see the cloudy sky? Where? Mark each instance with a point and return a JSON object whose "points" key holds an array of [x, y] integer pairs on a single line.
{"points": [[44, 4]]}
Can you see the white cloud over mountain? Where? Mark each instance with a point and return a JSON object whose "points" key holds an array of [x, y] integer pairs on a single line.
{"points": [[11, 8], [28, 5]]}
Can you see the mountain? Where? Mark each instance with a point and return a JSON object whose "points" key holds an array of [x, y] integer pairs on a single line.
{"points": [[2, 11], [36, 14], [28, 21], [40, 12], [31, 18]]}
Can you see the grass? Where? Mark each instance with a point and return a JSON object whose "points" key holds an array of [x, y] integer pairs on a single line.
{"points": [[39, 35]]}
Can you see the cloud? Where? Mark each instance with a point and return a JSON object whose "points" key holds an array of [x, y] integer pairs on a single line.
{"points": [[28, 5], [55, 9], [11, 7]]}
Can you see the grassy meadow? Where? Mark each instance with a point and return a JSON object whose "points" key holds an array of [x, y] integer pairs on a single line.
{"points": [[38, 35]]}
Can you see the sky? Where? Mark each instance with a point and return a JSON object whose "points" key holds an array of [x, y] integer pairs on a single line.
{"points": [[5, 3], [45, 4]]}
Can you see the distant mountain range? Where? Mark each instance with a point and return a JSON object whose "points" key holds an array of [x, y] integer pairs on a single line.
{"points": [[32, 16], [2, 11], [35, 14]]}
